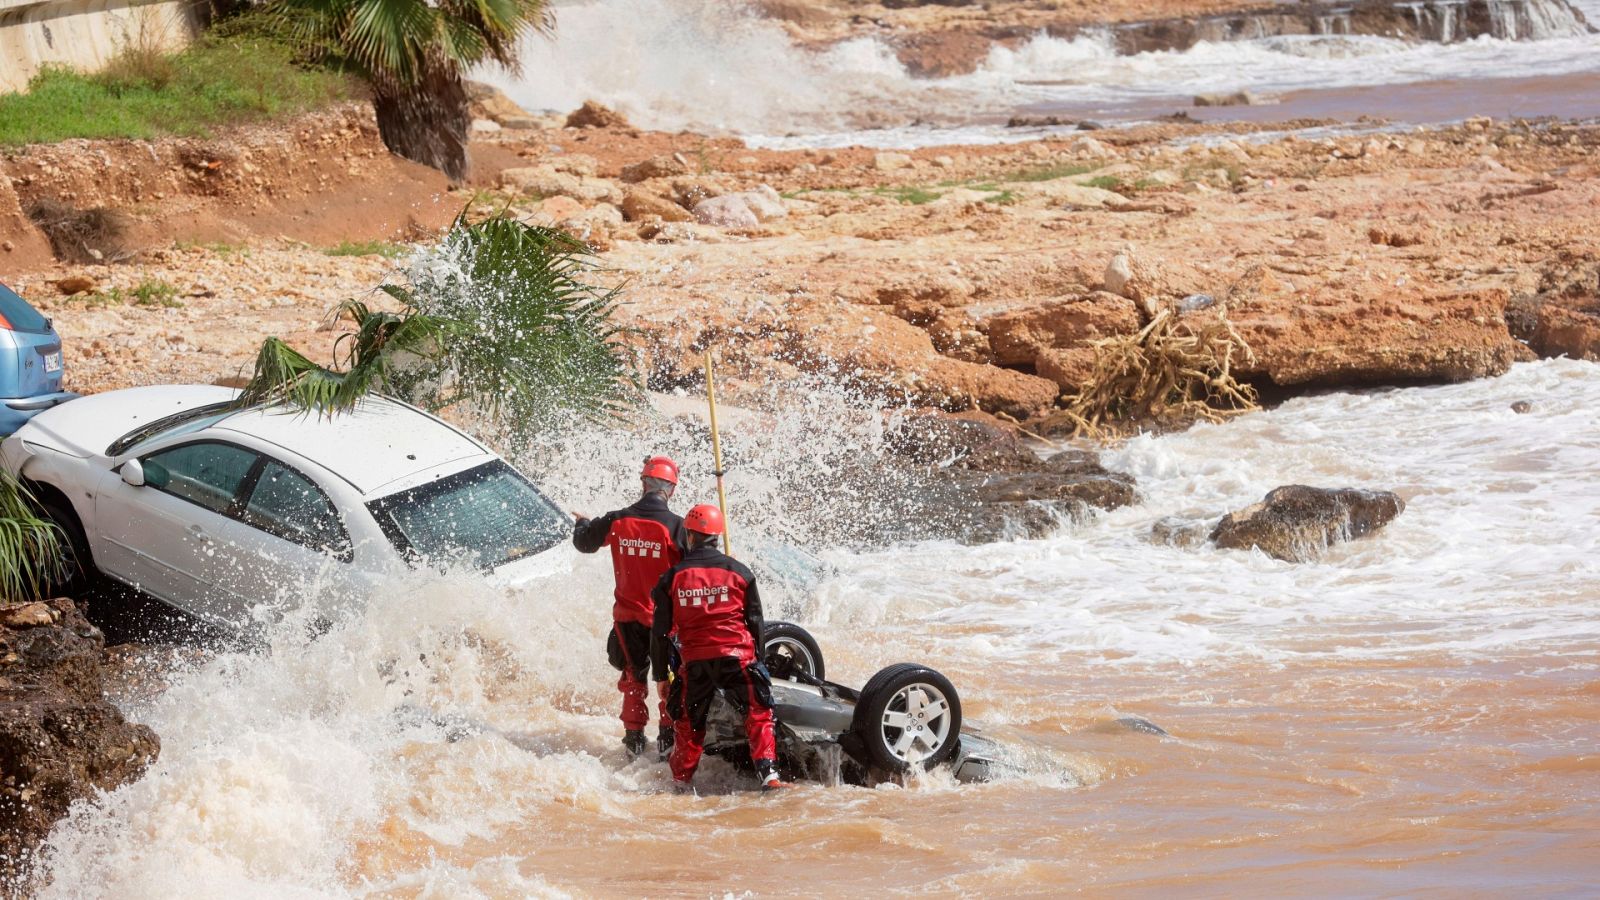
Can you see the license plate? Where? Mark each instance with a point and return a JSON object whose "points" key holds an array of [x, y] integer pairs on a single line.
{"points": [[52, 361]]}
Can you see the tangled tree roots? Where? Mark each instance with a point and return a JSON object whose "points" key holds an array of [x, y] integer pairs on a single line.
{"points": [[1177, 369]]}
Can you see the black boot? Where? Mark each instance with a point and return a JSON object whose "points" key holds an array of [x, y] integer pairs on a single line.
{"points": [[664, 741], [633, 742], [767, 771]]}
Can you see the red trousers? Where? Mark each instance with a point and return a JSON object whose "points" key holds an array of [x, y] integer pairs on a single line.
{"points": [[747, 686], [628, 647]]}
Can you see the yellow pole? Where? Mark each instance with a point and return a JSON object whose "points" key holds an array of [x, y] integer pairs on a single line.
{"points": [[716, 453]]}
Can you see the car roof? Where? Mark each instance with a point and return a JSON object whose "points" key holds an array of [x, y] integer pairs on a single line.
{"points": [[378, 443]]}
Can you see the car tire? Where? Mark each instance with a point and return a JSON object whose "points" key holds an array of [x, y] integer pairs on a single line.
{"points": [[80, 574], [787, 646], [908, 716]]}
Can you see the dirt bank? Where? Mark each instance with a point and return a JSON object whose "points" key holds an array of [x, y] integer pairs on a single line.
{"points": [[956, 277], [322, 178]]}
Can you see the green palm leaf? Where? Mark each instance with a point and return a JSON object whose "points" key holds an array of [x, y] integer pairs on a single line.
{"points": [[501, 317], [30, 545]]}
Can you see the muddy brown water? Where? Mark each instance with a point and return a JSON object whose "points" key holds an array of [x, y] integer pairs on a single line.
{"points": [[1356, 779], [1417, 713]]}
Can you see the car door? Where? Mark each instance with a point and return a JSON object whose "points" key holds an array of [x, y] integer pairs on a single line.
{"points": [[161, 536], [286, 544]]}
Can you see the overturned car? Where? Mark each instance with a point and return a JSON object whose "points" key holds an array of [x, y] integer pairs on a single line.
{"points": [[907, 717]]}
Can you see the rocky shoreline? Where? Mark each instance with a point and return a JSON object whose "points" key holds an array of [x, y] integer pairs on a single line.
{"points": [[939, 38], [960, 278]]}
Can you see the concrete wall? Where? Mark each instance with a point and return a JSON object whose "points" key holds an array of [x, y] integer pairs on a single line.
{"points": [[84, 34]]}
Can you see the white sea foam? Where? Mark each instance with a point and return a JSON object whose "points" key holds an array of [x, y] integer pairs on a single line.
{"points": [[274, 763], [716, 67], [1497, 552]]}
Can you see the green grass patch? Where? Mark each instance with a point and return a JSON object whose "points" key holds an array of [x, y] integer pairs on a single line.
{"points": [[155, 292], [1003, 198], [912, 194], [237, 72], [107, 297], [1105, 183], [384, 249], [220, 248], [151, 292]]}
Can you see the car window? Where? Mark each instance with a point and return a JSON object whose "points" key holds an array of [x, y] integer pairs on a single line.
{"points": [[186, 422], [207, 473], [488, 513], [18, 315], [289, 505]]}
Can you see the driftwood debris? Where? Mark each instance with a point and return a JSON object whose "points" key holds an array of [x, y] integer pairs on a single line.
{"points": [[1175, 369]]}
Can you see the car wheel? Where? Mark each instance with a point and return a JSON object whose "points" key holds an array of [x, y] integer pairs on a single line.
{"points": [[908, 716], [790, 648], [78, 572]]}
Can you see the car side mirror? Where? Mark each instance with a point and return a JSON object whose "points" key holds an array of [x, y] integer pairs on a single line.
{"points": [[133, 473]]}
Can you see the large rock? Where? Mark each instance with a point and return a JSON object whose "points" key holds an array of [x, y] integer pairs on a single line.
{"points": [[796, 11], [1039, 498], [638, 204], [1070, 369], [547, 181], [663, 166], [595, 115], [764, 202], [490, 103], [544, 181], [1296, 523], [1564, 318], [727, 211], [969, 440], [1020, 335], [60, 740], [888, 161], [942, 54], [881, 350], [1339, 339]]}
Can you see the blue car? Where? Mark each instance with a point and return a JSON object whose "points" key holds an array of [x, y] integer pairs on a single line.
{"points": [[30, 363]]}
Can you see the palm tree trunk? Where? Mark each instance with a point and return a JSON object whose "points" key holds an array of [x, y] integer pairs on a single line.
{"points": [[427, 121]]}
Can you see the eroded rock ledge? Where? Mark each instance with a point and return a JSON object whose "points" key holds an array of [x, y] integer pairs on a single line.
{"points": [[60, 740]]}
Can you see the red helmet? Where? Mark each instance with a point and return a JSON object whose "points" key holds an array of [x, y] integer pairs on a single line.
{"points": [[704, 519], [661, 467]]}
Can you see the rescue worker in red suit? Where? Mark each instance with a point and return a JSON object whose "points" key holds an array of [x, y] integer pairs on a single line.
{"points": [[712, 602], [646, 539]]}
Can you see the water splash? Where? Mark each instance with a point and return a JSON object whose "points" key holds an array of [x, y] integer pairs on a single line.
{"points": [[716, 67]]}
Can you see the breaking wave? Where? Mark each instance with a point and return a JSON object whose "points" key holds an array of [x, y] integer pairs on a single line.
{"points": [[717, 67]]}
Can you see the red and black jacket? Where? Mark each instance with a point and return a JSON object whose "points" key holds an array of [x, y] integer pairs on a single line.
{"points": [[646, 539], [711, 599]]}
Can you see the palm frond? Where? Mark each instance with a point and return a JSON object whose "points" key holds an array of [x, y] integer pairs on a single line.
{"points": [[394, 42], [507, 322], [531, 335], [31, 553]]}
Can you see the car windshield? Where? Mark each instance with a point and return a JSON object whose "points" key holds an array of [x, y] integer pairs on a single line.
{"points": [[186, 422], [489, 514]]}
